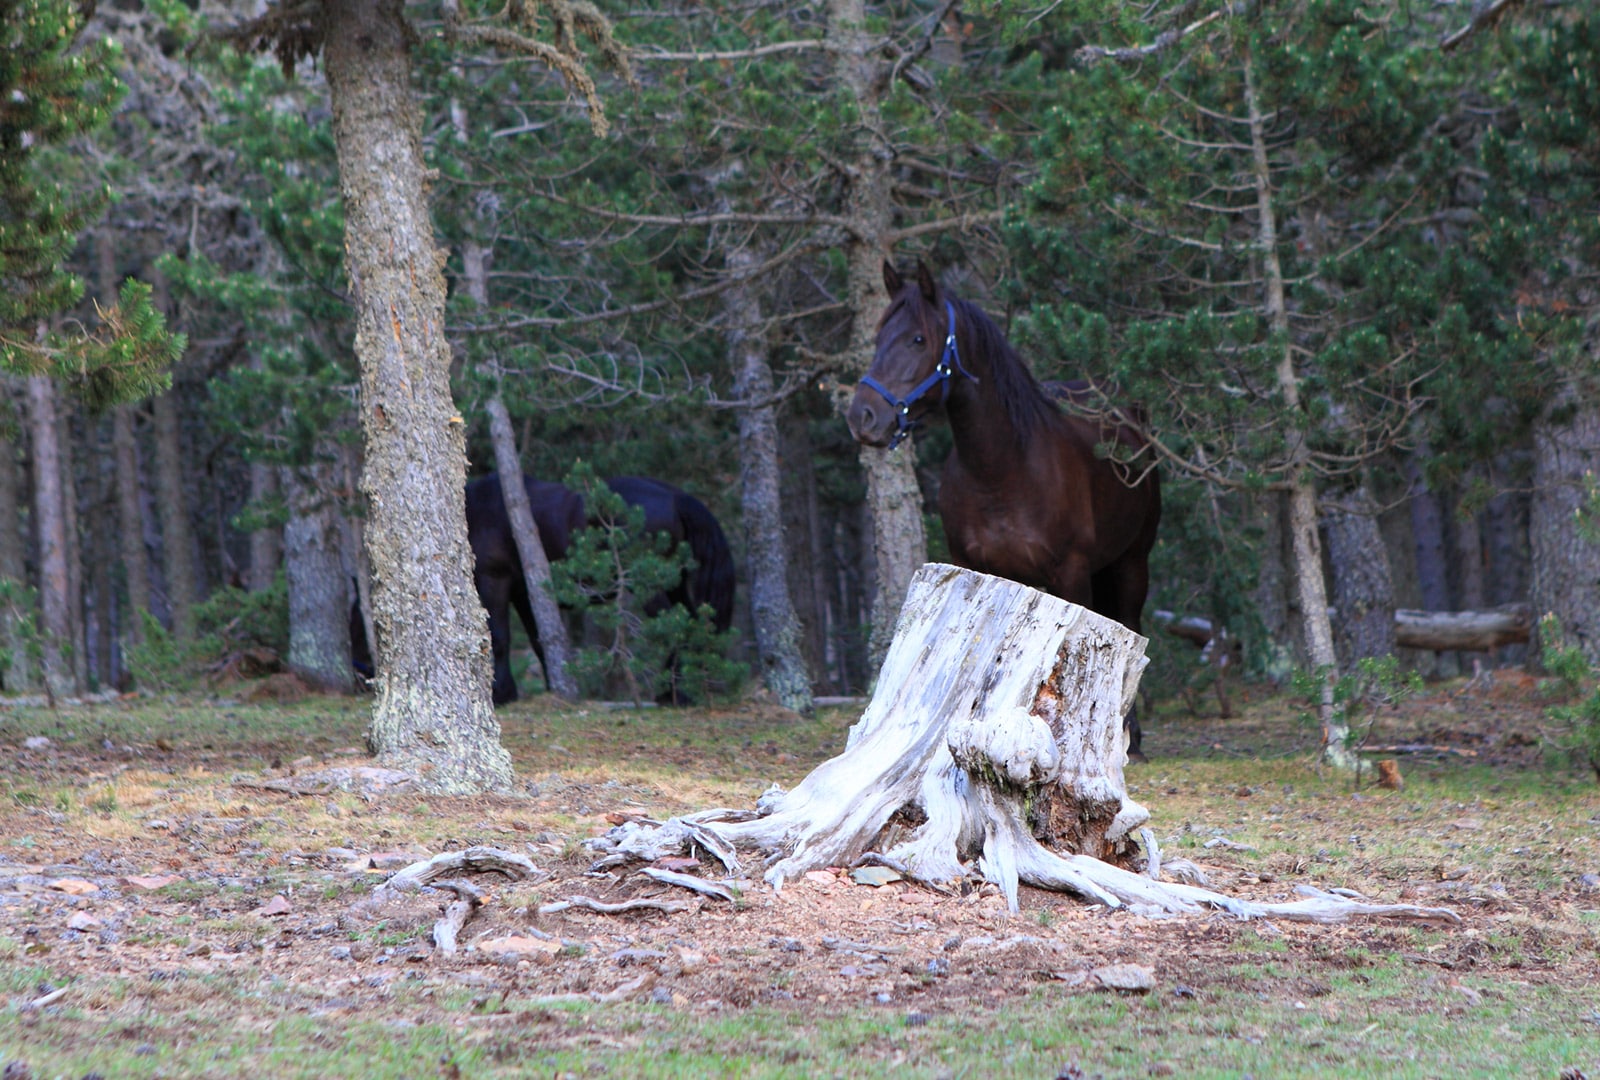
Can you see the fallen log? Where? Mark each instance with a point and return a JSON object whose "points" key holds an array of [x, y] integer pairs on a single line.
{"points": [[995, 730], [1466, 631]]}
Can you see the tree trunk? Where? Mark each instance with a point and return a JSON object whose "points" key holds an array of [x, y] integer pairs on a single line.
{"points": [[1363, 590], [50, 523], [1428, 534], [555, 651], [77, 651], [319, 588], [130, 522], [177, 529], [432, 714], [1566, 562], [777, 627], [20, 672], [530, 549], [899, 541], [805, 552], [1467, 546], [1273, 588], [997, 720], [102, 562], [266, 547], [1302, 514]]}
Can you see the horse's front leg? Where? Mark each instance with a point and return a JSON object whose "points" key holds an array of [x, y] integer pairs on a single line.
{"points": [[1072, 581]]}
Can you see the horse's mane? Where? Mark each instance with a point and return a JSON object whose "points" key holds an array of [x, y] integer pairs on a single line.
{"points": [[1026, 403]]}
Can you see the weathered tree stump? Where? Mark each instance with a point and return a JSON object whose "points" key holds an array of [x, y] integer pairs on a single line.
{"points": [[995, 730]]}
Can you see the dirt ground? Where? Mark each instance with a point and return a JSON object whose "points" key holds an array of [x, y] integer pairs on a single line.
{"points": [[165, 860]]}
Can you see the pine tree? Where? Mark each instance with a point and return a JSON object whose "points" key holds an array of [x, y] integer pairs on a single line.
{"points": [[50, 92], [1253, 219]]}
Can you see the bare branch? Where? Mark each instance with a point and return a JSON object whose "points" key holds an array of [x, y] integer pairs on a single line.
{"points": [[692, 221], [1093, 54], [1482, 19], [963, 221], [738, 54]]}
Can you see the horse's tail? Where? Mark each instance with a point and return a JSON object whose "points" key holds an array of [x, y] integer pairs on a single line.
{"points": [[712, 579]]}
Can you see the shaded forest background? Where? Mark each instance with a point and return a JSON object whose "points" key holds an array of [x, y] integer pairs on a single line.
{"points": [[1339, 252]]}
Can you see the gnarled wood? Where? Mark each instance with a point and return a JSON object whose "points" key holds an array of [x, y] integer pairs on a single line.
{"points": [[997, 721]]}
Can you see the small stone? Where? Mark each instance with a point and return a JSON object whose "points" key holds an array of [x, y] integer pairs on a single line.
{"points": [[520, 945], [82, 920], [75, 886], [1126, 978], [37, 742], [151, 882], [277, 906]]}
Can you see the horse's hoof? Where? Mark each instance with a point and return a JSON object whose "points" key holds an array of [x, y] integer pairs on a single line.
{"points": [[1136, 757]]}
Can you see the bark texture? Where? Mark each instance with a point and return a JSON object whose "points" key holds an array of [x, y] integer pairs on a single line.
{"points": [[1566, 561], [1363, 589], [432, 714], [20, 672], [177, 529], [77, 645], [130, 522], [266, 546], [318, 587], [777, 627], [50, 525]]}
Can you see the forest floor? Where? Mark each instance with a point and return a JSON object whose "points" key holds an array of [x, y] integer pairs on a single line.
{"points": [[164, 914]]}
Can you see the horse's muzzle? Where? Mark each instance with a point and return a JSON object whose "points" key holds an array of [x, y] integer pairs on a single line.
{"points": [[871, 419]]}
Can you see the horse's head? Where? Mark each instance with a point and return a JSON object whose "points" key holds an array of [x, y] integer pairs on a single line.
{"points": [[910, 372]]}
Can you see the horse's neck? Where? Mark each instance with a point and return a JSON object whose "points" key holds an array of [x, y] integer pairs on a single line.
{"points": [[987, 437]]}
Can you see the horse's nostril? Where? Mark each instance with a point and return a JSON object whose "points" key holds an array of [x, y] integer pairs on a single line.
{"points": [[868, 417]]}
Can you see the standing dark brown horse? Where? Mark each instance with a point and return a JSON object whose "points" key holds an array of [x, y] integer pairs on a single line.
{"points": [[1023, 494]]}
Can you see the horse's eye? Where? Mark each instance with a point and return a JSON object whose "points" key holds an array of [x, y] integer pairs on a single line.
{"points": [[919, 340]]}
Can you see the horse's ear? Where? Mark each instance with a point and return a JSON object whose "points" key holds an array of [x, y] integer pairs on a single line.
{"points": [[925, 282], [891, 278]]}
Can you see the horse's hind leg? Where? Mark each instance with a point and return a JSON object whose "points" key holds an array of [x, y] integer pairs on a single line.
{"points": [[520, 601], [494, 592]]}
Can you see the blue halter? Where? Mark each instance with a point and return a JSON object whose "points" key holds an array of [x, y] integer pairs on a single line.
{"points": [[949, 364]]}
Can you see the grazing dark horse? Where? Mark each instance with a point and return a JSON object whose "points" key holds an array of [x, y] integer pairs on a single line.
{"points": [[497, 568], [1023, 494], [559, 513]]}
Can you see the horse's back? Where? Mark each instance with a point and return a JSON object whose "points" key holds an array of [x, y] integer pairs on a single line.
{"points": [[557, 511], [686, 519]]}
